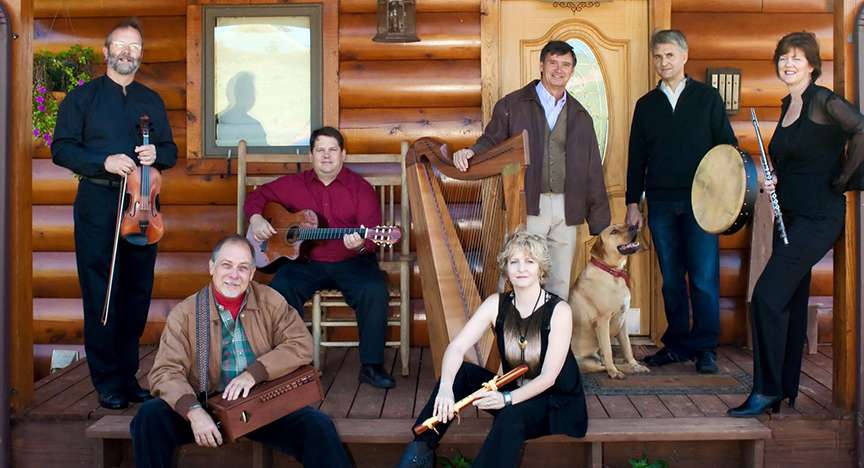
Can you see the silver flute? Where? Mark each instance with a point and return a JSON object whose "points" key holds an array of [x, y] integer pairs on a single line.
{"points": [[775, 205]]}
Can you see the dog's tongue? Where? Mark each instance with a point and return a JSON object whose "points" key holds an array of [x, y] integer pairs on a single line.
{"points": [[629, 248]]}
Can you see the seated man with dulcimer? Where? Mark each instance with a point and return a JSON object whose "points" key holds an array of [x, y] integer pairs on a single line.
{"points": [[532, 329], [338, 198], [247, 335]]}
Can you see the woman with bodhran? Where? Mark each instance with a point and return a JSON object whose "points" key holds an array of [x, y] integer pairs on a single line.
{"points": [[533, 327], [807, 150]]}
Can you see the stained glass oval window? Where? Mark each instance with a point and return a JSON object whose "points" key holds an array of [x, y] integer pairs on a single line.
{"points": [[588, 86]]}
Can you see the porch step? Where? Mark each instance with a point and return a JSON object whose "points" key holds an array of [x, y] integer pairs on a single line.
{"points": [[752, 433], [109, 430]]}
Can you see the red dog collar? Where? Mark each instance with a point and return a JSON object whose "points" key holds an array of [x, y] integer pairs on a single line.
{"points": [[612, 271]]}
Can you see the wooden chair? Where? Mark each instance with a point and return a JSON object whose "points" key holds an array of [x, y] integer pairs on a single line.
{"points": [[387, 182]]}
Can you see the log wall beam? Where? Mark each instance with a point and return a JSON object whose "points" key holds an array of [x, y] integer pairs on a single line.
{"points": [[62, 9], [755, 34], [846, 250], [164, 37], [20, 174], [423, 6], [443, 36]]}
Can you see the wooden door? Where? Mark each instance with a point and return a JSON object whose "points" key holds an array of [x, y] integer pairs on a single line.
{"points": [[611, 73]]}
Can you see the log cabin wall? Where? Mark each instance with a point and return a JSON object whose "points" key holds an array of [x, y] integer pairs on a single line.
{"points": [[198, 210], [387, 93], [743, 34], [393, 92]]}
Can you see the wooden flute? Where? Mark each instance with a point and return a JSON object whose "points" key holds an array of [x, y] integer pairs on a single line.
{"points": [[491, 385]]}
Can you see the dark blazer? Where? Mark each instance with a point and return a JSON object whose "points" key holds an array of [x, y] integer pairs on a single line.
{"points": [[585, 195]]}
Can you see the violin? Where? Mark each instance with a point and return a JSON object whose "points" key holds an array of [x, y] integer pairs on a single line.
{"points": [[138, 220], [142, 222]]}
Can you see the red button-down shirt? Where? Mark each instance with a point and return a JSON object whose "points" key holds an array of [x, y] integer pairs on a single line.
{"points": [[349, 201]]}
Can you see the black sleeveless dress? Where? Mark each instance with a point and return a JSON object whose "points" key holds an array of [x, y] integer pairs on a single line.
{"points": [[567, 410]]}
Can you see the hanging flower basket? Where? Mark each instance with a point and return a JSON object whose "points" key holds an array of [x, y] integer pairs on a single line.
{"points": [[54, 75]]}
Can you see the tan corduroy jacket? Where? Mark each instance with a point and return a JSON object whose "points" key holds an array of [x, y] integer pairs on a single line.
{"points": [[274, 329]]}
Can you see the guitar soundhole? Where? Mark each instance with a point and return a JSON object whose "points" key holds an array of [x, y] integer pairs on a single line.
{"points": [[292, 234]]}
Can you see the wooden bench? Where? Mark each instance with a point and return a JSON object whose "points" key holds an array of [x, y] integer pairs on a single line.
{"points": [[750, 432], [109, 432]]}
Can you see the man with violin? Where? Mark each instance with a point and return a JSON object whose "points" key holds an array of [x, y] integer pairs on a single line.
{"points": [[98, 137], [341, 199], [674, 125]]}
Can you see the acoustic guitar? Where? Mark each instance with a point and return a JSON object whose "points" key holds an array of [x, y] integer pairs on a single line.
{"points": [[292, 228]]}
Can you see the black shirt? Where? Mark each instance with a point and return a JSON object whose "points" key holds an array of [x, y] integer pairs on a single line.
{"points": [[807, 155], [566, 406], [666, 145], [96, 120]]}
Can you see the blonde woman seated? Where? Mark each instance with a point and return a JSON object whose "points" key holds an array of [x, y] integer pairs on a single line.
{"points": [[532, 326]]}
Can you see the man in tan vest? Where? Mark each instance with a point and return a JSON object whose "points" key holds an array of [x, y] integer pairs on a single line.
{"points": [[564, 184]]}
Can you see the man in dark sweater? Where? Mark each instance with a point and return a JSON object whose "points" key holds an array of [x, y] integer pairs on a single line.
{"points": [[674, 125]]}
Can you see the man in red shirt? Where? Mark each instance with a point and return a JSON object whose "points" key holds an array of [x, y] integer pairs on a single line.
{"points": [[340, 198]]}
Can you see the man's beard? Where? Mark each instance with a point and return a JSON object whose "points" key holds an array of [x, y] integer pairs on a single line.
{"points": [[123, 68]]}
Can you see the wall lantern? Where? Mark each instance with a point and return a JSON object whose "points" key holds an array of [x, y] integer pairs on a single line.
{"points": [[396, 21]]}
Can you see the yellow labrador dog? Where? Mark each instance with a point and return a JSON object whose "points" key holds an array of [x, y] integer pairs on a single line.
{"points": [[600, 300]]}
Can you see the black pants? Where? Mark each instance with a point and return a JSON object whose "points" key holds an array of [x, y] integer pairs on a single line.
{"points": [[513, 425], [112, 350], [362, 283], [779, 304], [306, 434]]}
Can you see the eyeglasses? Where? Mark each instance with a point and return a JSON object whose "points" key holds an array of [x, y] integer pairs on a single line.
{"points": [[132, 46]]}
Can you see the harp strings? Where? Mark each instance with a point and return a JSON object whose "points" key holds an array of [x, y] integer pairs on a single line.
{"points": [[478, 216], [462, 273]]}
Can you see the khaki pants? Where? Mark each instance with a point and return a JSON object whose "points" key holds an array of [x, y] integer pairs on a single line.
{"points": [[561, 238]]}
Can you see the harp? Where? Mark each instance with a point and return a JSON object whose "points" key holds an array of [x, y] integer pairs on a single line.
{"points": [[459, 221]]}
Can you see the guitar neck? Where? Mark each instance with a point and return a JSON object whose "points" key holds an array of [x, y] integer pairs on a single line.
{"points": [[327, 233]]}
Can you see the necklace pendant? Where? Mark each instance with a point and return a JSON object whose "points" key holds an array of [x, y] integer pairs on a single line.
{"points": [[522, 342]]}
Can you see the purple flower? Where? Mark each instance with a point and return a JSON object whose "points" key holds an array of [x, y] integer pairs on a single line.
{"points": [[41, 89], [47, 137], [36, 132], [80, 82], [41, 107], [40, 99]]}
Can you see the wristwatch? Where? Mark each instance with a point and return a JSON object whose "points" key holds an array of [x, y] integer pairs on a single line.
{"points": [[508, 399]]}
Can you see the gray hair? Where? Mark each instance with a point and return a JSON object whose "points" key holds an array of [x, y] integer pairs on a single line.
{"points": [[232, 239], [669, 36], [128, 23]]}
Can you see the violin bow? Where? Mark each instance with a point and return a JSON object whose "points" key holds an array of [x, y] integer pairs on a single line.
{"points": [[120, 201], [144, 125]]}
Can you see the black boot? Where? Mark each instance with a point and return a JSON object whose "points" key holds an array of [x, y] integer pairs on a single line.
{"points": [[136, 394], [376, 376], [756, 404], [417, 454]]}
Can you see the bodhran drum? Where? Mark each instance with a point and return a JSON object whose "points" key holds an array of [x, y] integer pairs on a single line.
{"points": [[724, 190]]}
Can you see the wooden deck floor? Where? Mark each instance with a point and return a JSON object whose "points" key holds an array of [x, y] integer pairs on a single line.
{"points": [[69, 394], [65, 403]]}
